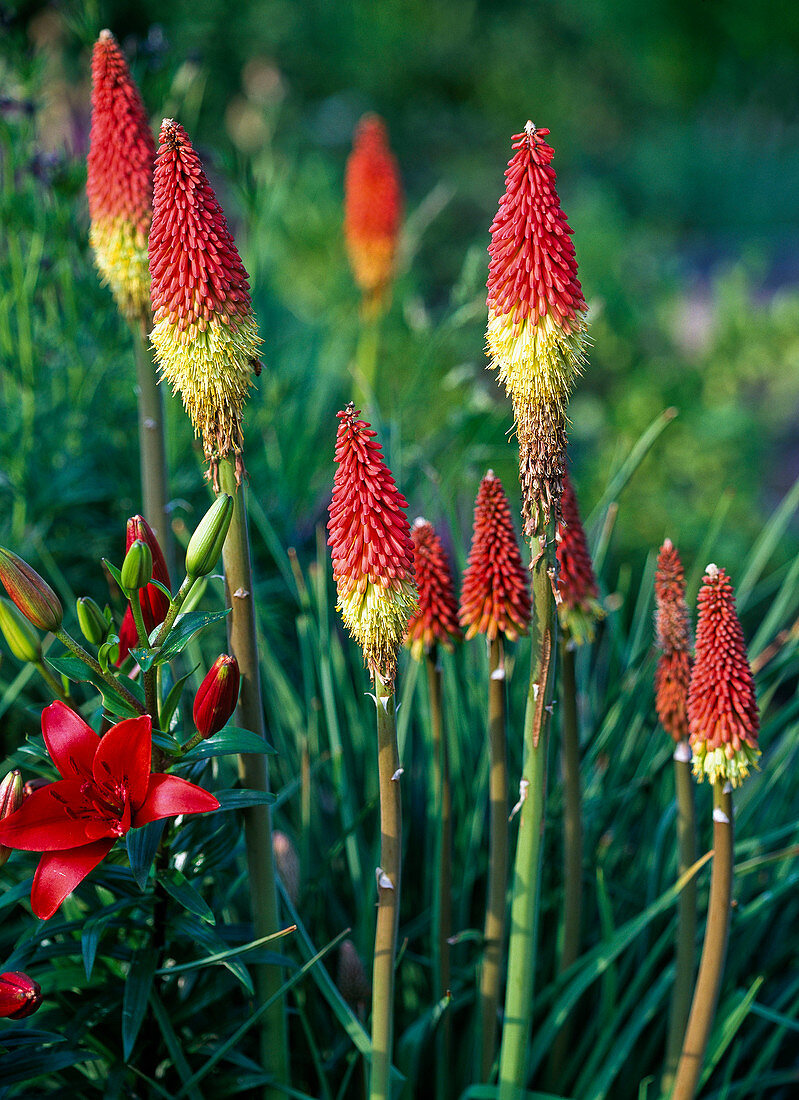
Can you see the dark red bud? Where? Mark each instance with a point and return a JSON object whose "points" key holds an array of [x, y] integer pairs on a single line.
{"points": [[217, 696], [19, 995]]}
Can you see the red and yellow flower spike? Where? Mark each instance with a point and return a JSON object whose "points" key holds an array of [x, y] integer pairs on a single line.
{"points": [[372, 211], [119, 185], [371, 547], [723, 718], [673, 636], [495, 598], [579, 608], [205, 336], [536, 332], [437, 620]]}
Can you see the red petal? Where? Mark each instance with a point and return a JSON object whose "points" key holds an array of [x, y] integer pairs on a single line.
{"points": [[59, 873], [168, 796], [123, 758], [42, 823], [71, 743]]}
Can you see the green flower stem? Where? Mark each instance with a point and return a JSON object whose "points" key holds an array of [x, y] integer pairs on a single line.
{"points": [[366, 356], [442, 899], [254, 774], [714, 950], [686, 914], [526, 872], [175, 605], [94, 665], [150, 696], [152, 446], [494, 932], [52, 682], [572, 843], [388, 891], [192, 742]]}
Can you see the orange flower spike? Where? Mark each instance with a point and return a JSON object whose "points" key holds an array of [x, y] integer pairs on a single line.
{"points": [[372, 210], [437, 621], [205, 336], [579, 607], [495, 598], [119, 183], [723, 718], [673, 636], [371, 547]]}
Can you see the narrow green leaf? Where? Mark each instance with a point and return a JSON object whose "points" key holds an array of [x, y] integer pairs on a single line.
{"points": [[161, 587], [144, 658], [224, 956], [142, 846], [170, 704], [229, 740], [186, 626], [115, 573], [730, 1022], [178, 887], [240, 800], [136, 995]]}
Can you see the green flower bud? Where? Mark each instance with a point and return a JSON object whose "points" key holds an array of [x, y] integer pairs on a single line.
{"points": [[32, 595], [137, 568], [205, 545], [91, 620], [22, 639], [11, 798]]}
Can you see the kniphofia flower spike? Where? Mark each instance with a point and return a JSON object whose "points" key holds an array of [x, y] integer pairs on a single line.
{"points": [[723, 718], [119, 183], [495, 598], [437, 620], [579, 607], [673, 636], [205, 336], [536, 332], [371, 547], [106, 789]]}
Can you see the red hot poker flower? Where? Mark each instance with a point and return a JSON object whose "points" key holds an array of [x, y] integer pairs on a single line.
{"points": [[372, 210], [495, 598], [119, 184], [723, 717], [579, 607], [673, 636], [437, 621], [154, 603], [20, 995], [371, 547], [106, 790]]}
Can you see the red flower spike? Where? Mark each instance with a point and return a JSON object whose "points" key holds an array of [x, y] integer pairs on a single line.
{"points": [[372, 210], [154, 603], [20, 995], [579, 606], [217, 696], [119, 183], [673, 636], [371, 547], [437, 621], [723, 718], [106, 790], [205, 336], [495, 598]]}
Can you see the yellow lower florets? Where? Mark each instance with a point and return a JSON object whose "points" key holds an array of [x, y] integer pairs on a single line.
{"points": [[537, 363], [378, 619], [120, 254], [731, 765]]}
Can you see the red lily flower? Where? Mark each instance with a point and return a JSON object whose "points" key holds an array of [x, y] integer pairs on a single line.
{"points": [[106, 790]]}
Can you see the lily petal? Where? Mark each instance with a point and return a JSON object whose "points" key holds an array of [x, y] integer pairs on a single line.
{"points": [[168, 796], [59, 873], [71, 743], [123, 758], [43, 823]]}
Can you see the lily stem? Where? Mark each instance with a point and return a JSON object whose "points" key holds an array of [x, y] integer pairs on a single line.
{"points": [[175, 605], [52, 682], [94, 665], [150, 696], [152, 445]]}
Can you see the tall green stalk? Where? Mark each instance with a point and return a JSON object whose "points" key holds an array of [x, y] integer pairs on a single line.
{"points": [[366, 355], [254, 774], [152, 445], [686, 914], [527, 866], [388, 891], [442, 900], [714, 950], [494, 930]]}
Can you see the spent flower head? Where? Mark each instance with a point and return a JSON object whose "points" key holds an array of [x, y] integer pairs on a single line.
{"points": [[437, 620], [371, 547], [673, 637], [495, 597], [205, 336], [723, 718], [119, 182], [579, 608]]}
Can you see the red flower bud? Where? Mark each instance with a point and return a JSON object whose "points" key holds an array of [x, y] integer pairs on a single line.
{"points": [[32, 595], [217, 696], [34, 784], [437, 621], [579, 608], [673, 636], [19, 995], [11, 798]]}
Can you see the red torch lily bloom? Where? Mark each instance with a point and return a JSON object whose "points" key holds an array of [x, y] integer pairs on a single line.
{"points": [[579, 606], [106, 790], [437, 621], [673, 636], [20, 995], [154, 603]]}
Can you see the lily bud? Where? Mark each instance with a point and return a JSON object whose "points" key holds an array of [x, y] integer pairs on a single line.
{"points": [[34, 784], [11, 798], [19, 995], [91, 620], [21, 638], [205, 545], [137, 568], [32, 595], [217, 696]]}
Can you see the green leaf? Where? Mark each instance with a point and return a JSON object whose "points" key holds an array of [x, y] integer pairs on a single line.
{"points": [[142, 846], [178, 887], [166, 742], [186, 626], [104, 652], [240, 800], [173, 698], [115, 703], [137, 994], [72, 667], [231, 739], [115, 573], [162, 588], [144, 658]]}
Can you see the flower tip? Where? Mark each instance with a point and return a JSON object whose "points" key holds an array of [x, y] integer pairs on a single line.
{"points": [[712, 570], [105, 35], [420, 521], [667, 545]]}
